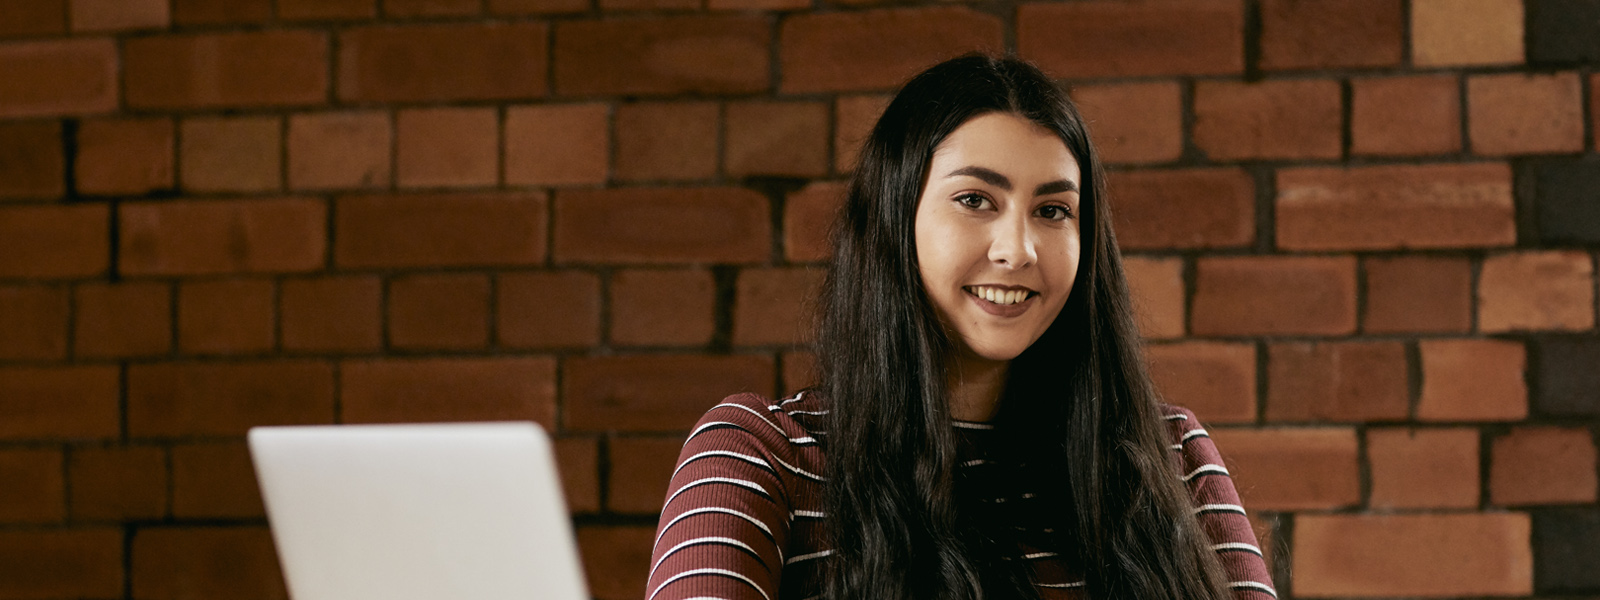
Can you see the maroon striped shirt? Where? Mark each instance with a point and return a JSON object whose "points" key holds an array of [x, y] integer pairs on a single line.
{"points": [[743, 517]]}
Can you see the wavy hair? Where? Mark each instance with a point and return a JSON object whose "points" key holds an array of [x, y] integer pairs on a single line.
{"points": [[1078, 402]]}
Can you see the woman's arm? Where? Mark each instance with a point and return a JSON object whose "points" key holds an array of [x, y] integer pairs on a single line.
{"points": [[726, 518], [1216, 505]]}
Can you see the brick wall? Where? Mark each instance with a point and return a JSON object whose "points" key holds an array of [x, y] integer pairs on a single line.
{"points": [[1362, 233]]}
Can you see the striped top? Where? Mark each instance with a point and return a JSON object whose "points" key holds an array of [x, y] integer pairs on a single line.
{"points": [[743, 517]]}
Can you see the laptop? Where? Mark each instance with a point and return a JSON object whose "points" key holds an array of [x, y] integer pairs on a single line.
{"points": [[413, 512]]}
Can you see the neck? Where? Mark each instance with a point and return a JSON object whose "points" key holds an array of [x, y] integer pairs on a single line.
{"points": [[975, 386]]}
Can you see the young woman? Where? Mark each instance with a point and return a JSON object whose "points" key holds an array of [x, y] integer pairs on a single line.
{"points": [[984, 426]]}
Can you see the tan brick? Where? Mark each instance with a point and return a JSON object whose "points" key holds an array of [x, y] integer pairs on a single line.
{"points": [[202, 237], [443, 62], [231, 154], [1473, 380], [663, 307], [846, 50], [1466, 32], [122, 319], [448, 147], [1518, 113], [339, 150], [1536, 290], [1215, 380], [449, 389], [1393, 207], [437, 230], [563, 144], [58, 77], [1423, 468], [1438, 555], [232, 69], [555, 309]]}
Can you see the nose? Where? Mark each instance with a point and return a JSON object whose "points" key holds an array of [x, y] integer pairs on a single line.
{"points": [[1012, 244]]}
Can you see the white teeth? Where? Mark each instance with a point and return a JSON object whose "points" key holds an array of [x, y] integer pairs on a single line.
{"points": [[999, 296]]}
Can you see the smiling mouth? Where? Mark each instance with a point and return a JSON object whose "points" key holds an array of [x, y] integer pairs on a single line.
{"points": [[1001, 296]]}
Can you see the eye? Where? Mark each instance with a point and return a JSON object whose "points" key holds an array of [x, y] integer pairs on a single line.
{"points": [[973, 201], [1055, 212]]}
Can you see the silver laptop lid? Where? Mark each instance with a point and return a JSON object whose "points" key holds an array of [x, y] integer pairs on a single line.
{"points": [[414, 512]]}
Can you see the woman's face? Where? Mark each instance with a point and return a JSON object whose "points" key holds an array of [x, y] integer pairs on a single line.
{"points": [[997, 233]]}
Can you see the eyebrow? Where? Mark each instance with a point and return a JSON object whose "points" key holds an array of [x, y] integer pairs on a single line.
{"points": [[994, 178]]}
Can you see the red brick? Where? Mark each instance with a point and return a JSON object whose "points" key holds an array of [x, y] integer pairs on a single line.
{"points": [[1398, 116], [59, 402], [1412, 555], [214, 480], [799, 371], [182, 563], [34, 491], [235, 69], [1517, 113], [1292, 469], [431, 8], [33, 322], [807, 216], [125, 156], [1319, 35], [557, 144], [230, 316], [1536, 290], [61, 563], [46, 242], [775, 306], [434, 63], [663, 307], [221, 12], [1293, 118], [1466, 32], [776, 138], [437, 230], [1215, 380], [32, 163], [448, 147], [231, 154], [878, 49], [339, 314], [1337, 381], [579, 462], [1594, 103], [853, 119], [440, 389], [616, 559], [651, 5], [662, 226], [641, 469], [1134, 122], [33, 17], [222, 236], [1156, 287], [1413, 294], [339, 150], [555, 309], [193, 399], [122, 319], [661, 140], [439, 311], [664, 55], [1473, 380], [118, 15], [325, 10], [773, 5], [655, 392], [118, 483], [1395, 206], [1277, 295], [1118, 39], [1423, 468], [1543, 465], [58, 77], [536, 7], [1187, 208]]}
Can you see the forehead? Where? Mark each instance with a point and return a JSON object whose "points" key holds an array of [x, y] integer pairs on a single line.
{"points": [[1009, 144]]}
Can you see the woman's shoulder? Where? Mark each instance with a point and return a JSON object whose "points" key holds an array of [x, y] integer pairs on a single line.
{"points": [[796, 420]]}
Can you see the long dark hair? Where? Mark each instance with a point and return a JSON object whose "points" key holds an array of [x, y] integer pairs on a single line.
{"points": [[1077, 403]]}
